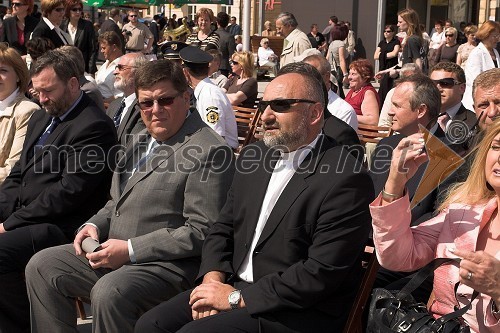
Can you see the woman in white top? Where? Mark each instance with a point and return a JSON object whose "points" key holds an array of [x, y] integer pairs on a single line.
{"points": [[482, 58], [267, 57], [437, 39], [111, 47]]}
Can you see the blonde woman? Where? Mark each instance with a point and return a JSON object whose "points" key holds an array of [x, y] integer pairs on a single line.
{"points": [[15, 108], [241, 88]]}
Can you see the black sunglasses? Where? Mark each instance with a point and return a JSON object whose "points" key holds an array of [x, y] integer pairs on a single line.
{"points": [[387, 31], [449, 35], [163, 101], [59, 10], [447, 82], [234, 62], [132, 16], [281, 105], [18, 4], [77, 9]]}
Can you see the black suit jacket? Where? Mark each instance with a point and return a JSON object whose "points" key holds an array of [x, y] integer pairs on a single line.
{"points": [[131, 124], [227, 47], [10, 32], [344, 135], [43, 30], [85, 41], [68, 180], [307, 257]]}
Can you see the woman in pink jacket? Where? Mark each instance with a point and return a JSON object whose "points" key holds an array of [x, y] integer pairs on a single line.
{"points": [[467, 226]]}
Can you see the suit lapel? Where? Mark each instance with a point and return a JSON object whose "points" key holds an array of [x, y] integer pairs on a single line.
{"points": [[126, 119], [294, 188], [258, 186], [79, 31], [38, 129]]}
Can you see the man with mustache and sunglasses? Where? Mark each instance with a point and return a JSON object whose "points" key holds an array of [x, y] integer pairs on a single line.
{"points": [[283, 255], [167, 189]]}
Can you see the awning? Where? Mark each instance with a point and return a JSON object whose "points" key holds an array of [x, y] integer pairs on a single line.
{"points": [[147, 3]]}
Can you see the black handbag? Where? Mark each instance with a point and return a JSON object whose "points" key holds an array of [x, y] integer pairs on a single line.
{"points": [[397, 311]]}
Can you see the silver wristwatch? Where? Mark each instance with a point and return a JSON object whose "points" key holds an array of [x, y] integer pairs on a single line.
{"points": [[234, 298]]}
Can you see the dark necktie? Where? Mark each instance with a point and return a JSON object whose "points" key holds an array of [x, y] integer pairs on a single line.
{"points": [[117, 118], [41, 141]]}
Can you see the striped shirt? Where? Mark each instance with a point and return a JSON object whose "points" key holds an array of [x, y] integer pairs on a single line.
{"points": [[209, 43]]}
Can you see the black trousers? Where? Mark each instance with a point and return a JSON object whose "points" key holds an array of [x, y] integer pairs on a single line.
{"points": [[16, 248], [175, 316]]}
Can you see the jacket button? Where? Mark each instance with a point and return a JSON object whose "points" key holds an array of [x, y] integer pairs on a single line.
{"points": [[117, 213]]}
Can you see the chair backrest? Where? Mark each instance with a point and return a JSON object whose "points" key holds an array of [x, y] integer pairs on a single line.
{"points": [[246, 120], [275, 43], [370, 266], [371, 133]]}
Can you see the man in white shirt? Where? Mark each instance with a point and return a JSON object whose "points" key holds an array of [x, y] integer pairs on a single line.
{"points": [[336, 105], [211, 101]]}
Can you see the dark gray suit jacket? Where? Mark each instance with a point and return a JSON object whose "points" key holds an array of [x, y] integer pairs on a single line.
{"points": [[10, 32], [167, 207], [131, 124], [227, 47]]}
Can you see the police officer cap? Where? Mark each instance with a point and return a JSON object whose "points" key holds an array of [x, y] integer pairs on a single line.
{"points": [[195, 57], [171, 49]]}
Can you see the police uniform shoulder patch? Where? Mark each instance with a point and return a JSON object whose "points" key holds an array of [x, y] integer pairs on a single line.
{"points": [[212, 114]]}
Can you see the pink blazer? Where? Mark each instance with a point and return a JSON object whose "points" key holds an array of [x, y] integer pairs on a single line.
{"points": [[401, 248]]}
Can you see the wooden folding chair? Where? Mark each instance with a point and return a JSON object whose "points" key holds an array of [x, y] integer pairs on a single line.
{"points": [[373, 134], [246, 119], [370, 266]]}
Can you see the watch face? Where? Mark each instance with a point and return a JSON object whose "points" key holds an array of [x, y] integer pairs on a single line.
{"points": [[234, 297]]}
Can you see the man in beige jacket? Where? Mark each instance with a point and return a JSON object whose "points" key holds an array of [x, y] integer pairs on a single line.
{"points": [[295, 41]]}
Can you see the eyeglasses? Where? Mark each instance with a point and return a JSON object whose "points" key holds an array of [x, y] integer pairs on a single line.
{"points": [[59, 10], [18, 4], [449, 35], [121, 67], [388, 31], [132, 16], [77, 9], [232, 62], [447, 82], [163, 101], [281, 105]]}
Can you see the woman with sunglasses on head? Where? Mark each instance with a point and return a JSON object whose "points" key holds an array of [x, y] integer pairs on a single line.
{"points": [[241, 88], [81, 32], [205, 38], [17, 29], [15, 108], [448, 51], [387, 54], [49, 26], [465, 49], [483, 57]]}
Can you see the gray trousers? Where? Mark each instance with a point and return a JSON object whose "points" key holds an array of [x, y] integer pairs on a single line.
{"points": [[55, 276]]}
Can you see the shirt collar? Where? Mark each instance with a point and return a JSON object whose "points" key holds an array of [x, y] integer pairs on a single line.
{"points": [[297, 156], [6, 102], [46, 20], [452, 112], [72, 106]]}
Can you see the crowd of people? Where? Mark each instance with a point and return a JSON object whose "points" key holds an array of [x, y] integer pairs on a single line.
{"points": [[119, 183]]}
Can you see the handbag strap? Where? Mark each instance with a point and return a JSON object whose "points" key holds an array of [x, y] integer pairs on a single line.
{"points": [[422, 274]]}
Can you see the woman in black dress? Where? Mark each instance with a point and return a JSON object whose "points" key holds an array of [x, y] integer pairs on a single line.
{"points": [[387, 54]]}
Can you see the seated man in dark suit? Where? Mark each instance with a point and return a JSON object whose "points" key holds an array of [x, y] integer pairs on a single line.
{"points": [[169, 186], [125, 111], [284, 253], [61, 179]]}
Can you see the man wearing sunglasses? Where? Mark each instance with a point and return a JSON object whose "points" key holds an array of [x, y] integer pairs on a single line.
{"points": [[283, 253], [449, 78], [137, 34], [166, 191], [125, 111]]}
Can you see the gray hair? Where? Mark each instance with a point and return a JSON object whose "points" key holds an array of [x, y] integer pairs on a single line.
{"points": [[288, 19], [424, 92]]}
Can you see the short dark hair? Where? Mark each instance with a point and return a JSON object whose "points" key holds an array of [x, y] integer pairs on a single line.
{"points": [[111, 38], [64, 67], [38, 46], [315, 85], [222, 19], [450, 67], [153, 72], [334, 19]]}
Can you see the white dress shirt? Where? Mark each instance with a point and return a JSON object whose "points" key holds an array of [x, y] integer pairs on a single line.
{"points": [[342, 110], [283, 171]]}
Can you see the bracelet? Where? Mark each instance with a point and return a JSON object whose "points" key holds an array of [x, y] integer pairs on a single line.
{"points": [[389, 197], [345, 75]]}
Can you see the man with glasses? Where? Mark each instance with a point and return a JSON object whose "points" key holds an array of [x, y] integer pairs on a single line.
{"points": [[449, 78], [166, 191], [125, 111], [61, 179], [136, 34], [53, 12], [283, 255]]}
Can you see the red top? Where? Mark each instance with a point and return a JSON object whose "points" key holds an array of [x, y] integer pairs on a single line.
{"points": [[357, 100], [20, 35]]}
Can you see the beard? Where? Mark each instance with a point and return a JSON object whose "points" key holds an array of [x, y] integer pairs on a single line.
{"points": [[122, 83], [58, 108], [285, 140]]}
